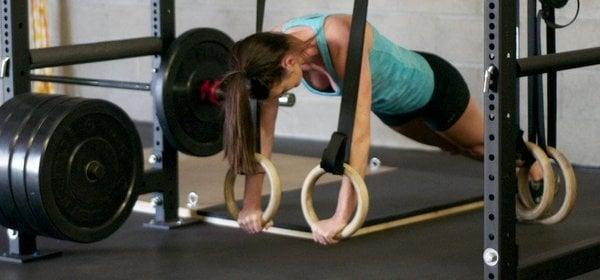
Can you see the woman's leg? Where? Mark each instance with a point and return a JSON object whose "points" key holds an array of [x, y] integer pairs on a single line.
{"points": [[463, 137], [467, 131], [418, 131]]}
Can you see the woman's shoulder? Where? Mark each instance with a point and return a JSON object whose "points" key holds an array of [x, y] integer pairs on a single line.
{"points": [[337, 30]]}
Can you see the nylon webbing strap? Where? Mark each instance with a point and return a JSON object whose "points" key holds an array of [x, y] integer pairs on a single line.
{"points": [[539, 116], [260, 14], [551, 80], [536, 108], [341, 141], [255, 105], [533, 50]]}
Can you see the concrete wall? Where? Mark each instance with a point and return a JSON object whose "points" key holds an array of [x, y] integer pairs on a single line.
{"points": [[450, 28]]}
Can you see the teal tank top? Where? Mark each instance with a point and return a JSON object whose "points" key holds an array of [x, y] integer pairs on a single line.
{"points": [[402, 80]]}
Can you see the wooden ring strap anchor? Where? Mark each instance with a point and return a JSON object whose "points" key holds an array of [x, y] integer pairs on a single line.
{"points": [[275, 196], [362, 197], [530, 211]]}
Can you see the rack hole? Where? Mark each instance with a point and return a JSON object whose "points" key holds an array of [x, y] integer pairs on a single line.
{"points": [[491, 97], [491, 197], [492, 16], [491, 177], [492, 107], [492, 137], [491, 217], [492, 36], [492, 26], [492, 47], [491, 236], [492, 117], [492, 6], [492, 157], [491, 276]]}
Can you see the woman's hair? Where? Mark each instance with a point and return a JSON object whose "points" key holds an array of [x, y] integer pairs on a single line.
{"points": [[255, 68]]}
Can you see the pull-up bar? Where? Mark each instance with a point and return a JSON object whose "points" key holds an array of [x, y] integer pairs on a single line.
{"points": [[93, 52], [558, 61]]}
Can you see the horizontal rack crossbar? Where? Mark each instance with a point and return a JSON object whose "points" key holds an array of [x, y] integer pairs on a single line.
{"points": [[558, 61], [94, 52]]}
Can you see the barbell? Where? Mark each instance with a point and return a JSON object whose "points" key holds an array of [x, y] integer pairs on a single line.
{"points": [[72, 167], [192, 124]]}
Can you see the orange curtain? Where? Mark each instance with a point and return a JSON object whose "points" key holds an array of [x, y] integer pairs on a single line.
{"points": [[40, 39]]}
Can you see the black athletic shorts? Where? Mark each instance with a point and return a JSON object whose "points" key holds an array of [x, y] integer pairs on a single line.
{"points": [[447, 104]]}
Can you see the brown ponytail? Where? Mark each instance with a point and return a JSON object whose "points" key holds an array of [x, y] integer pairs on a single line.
{"points": [[256, 67], [239, 131]]}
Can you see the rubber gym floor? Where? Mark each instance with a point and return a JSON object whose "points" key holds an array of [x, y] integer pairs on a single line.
{"points": [[447, 247]]}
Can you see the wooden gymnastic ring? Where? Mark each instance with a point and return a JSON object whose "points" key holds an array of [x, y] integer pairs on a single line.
{"points": [[275, 196], [570, 188], [526, 208], [362, 197]]}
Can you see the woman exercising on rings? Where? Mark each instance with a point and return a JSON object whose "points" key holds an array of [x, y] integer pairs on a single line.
{"points": [[419, 95]]}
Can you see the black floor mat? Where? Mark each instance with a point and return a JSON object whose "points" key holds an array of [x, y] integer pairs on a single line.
{"points": [[393, 195], [423, 182], [448, 248]]}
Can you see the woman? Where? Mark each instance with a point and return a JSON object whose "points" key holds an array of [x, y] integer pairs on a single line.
{"points": [[419, 95]]}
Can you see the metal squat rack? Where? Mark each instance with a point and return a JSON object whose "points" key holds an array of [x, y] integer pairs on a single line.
{"points": [[503, 70], [19, 59]]}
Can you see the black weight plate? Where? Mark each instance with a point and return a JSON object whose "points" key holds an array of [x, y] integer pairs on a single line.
{"points": [[6, 111], [30, 129], [191, 125], [20, 109], [68, 141]]}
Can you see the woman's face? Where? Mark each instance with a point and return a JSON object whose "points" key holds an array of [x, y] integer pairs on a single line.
{"points": [[292, 77]]}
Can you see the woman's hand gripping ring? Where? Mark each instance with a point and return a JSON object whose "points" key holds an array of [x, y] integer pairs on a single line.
{"points": [[570, 184], [362, 197], [275, 196], [531, 211]]}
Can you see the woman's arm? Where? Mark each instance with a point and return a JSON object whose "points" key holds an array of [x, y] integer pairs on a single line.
{"points": [[337, 31], [250, 216], [268, 116], [337, 34]]}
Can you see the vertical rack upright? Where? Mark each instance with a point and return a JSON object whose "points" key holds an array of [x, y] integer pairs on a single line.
{"points": [[503, 68], [500, 136], [164, 158], [15, 48]]}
